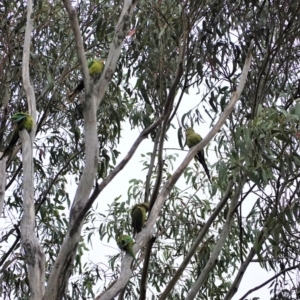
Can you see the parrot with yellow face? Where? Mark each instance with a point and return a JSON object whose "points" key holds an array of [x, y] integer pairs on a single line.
{"points": [[95, 67], [192, 139], [125, 243], [21, 121], [138, 216]]}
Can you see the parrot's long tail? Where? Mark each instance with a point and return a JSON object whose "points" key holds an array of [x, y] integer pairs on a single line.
{"points": [[11, 145], [137, 217], [77, 90], [201, 159]]}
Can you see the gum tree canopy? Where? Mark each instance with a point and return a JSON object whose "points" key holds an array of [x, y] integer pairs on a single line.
{"points": [[169, 65]]}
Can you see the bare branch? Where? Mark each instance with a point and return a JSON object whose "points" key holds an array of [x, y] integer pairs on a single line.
{"points": [[99, 188], [79, 44], [25, 68], [224, 234], [144, 236], [143, 287], [150, 169], [260, 239], [197, 242], [269, 280], [2, 182], [34, 254], [115, 48], [64, 262], [167, 111]]}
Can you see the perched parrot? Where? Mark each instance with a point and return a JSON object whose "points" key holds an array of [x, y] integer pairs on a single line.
{"points": [[125, 243], [95, 67], [22, 121], [138, 215], [192, 139]]}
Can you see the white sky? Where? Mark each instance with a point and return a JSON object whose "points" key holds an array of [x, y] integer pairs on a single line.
{"points": [[254, 274], [99, 251]]}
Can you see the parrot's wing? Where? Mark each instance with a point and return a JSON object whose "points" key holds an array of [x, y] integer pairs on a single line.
{"points": [[120, 242], [90, 63], [18, 117], [133, 209], [96, 67], [192, 139], [197, 138], [136, 212], [144, 205], [124, 240], [137, 219]]}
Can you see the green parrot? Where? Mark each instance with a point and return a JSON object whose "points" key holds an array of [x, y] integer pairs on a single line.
{"points": [[192, 139], [95, 67], [125, 243], [138, 215], [22, 121]]}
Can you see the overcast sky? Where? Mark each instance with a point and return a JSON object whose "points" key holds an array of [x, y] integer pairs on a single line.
{"points": [[254, 275], [100, 251]]}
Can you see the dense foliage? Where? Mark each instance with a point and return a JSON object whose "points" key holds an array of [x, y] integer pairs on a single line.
{"points": [[257, 150]]}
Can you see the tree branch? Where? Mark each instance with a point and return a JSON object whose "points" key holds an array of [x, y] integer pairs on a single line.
{"points": [[269, 280], [34, 254], [150, 169], [143, 287], [197, 242], [167, 112], [37, 205], [25, 68], [146, 234], [64, 263], [224, 234], [115, 48], [260, 239], [2, 182], [12, 247], [99, 188], [79, 44]]}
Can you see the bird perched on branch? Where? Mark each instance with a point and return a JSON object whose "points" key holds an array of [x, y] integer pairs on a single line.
{"points": [[192, 139], [95, 67], [138, 216], [125, 243], [21, 121]]}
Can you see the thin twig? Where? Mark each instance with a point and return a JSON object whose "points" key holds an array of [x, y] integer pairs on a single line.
{"points": [[145, 235], [218, 247], [79, 44], [269, 280]]}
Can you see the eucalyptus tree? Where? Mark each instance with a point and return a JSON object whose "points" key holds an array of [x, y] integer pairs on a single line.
{"points": [[242, 58]]}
